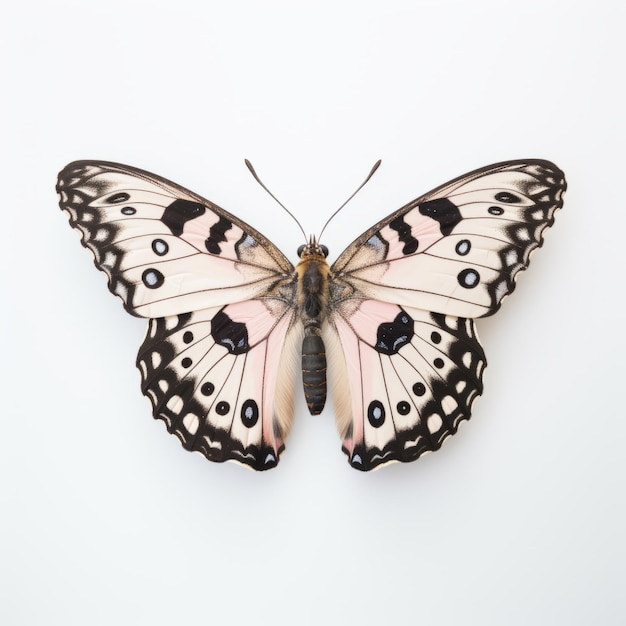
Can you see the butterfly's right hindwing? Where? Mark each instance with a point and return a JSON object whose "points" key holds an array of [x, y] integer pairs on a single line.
{"points": [[407, 379], [165, 250]]}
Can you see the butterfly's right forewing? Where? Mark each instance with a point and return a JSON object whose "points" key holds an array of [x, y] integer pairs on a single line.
{"points": [[459, 249]]}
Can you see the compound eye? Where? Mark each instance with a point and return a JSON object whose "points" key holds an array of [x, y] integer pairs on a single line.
{"points": [[301, 250], [324, 251]]}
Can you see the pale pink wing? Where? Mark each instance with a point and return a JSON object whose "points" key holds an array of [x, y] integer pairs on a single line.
{"points": [[213, 377], [402, 298], [458, 249], [405, 380], [164, 249], [222, 297]]}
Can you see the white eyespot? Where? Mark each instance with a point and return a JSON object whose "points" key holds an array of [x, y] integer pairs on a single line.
{"points": [[511, 258], [175, 404], [449, 404], [191, 423], [109, 259], [463, 247], [411, 443], [101, 234], [160, 247], [434, 423], [467, 359], [468, 278], [213, 444], [171, 322], [152, 278]]}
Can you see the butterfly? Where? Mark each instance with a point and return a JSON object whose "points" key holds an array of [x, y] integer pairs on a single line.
{"points": [[233, 324]]}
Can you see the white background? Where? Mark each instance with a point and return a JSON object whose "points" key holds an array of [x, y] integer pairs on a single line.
{"points": [[519, 519]]}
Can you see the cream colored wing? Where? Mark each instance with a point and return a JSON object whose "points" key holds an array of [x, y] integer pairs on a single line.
{"points": [[164, 249], [403, 349], [458, 249], [222, 298], [403, 379], [223, 379]]}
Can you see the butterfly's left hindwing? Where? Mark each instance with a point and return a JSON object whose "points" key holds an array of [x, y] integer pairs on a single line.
{"points": [[212, 377]]}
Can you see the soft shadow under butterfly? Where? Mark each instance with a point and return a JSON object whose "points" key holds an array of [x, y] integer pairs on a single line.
{"points": [[232, 321]]}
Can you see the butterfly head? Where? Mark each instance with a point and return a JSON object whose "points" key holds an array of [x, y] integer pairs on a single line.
{"points": [[312, 249]]}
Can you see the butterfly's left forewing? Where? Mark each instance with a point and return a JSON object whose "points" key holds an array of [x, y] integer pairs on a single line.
{"points": [[402, 300], [164, 249]]}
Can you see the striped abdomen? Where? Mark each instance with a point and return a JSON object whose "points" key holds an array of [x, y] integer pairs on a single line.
{"points": [[312, 297], [314, 370]]}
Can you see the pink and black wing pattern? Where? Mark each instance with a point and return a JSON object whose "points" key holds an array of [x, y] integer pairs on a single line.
{"points": [[213, 378], [403, 297], [164, 249], [411, 377], [220, 296], [458, 249]]}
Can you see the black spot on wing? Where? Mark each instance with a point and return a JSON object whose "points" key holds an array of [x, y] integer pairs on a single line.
{"points": [[443, 211], [116, 198], [419, 389], [177, 214], [391, 336], [230, 334], [404, 235], [207, 389], [403, 407], [508, 197], [222, 408], [217, 235]]}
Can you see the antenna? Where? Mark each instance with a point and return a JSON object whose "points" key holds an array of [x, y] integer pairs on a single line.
{"points": [[376, 166], [258, 180]]}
